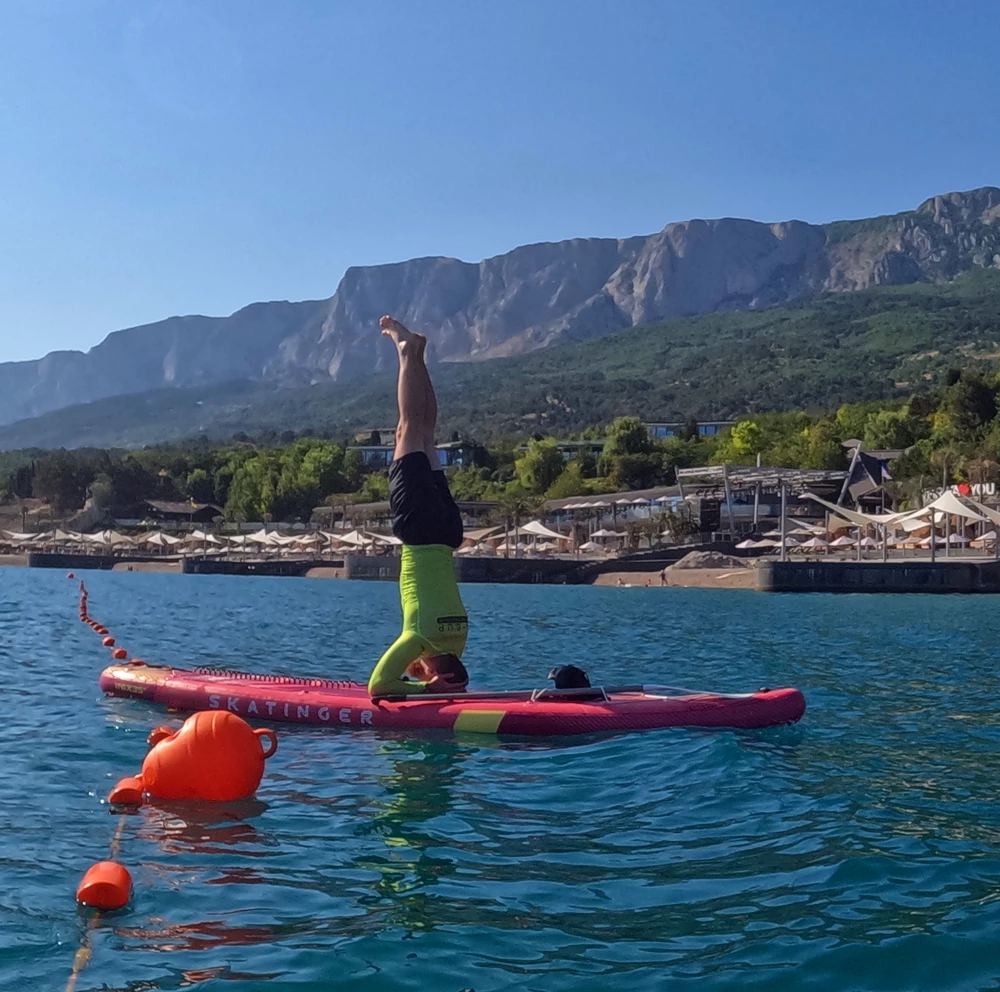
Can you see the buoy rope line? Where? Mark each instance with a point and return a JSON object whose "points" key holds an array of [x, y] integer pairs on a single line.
{"points": [[106, 884], [83, 953], [229, 765]]}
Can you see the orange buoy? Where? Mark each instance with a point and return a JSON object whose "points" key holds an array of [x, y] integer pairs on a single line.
{"points": [[119, 653], [127, 792], [70, 575], [106, 885], [215, 755], [158, 734], [108, 642], [101, 629]]}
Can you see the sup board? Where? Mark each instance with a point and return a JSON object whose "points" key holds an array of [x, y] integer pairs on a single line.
{"points": [[284, 699]]}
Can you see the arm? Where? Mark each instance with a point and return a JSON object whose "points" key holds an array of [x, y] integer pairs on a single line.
{"points": [[388, 673]]}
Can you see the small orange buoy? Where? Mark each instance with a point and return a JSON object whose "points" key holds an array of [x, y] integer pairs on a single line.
{"points": [[127, 792], [70, 575], [120, 653], [158, 734], [101, 629], [216, 755], [106, 885], [108, 642]]}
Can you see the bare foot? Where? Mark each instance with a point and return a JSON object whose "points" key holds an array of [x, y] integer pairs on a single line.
{"points": [[407, 341]]}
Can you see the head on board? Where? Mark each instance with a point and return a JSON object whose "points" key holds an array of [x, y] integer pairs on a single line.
{"points": [[441, 672]]}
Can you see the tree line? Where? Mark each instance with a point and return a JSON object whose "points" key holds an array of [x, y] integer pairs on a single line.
{"points": [[947, 435]]}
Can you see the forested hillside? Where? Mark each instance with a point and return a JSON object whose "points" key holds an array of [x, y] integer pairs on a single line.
{"points": [[814, 355]]}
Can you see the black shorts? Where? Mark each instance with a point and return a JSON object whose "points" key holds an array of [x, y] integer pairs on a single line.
{"points": [[423, 511]]}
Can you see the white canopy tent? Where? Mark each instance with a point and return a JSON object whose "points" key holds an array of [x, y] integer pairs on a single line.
{"points": [[261, 537], [355, 538], [388, 539], [538, 529], [161, 540], [506, 547], [108, 538], [203, 537]]}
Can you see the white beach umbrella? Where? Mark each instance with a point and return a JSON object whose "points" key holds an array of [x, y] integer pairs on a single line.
{"points": [[813, 544], [843, 542], [589, 546], [744, 545]]}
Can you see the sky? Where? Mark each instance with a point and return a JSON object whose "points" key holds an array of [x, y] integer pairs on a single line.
{"points": [[162, 157]]}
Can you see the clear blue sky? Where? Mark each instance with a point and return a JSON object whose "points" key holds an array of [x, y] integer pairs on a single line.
{"points": [[190, 156]]}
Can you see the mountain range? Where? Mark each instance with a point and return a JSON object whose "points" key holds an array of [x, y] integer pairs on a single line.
{"points": [[815, 353], [516, 303]]}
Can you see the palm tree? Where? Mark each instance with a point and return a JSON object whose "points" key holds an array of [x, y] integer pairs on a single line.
{"points": [[514, 504]]}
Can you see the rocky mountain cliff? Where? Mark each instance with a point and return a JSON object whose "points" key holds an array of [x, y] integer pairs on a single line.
{"points": [[520, 301]]}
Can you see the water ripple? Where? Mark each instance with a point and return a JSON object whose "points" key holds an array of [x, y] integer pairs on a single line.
{"points": [[858, 850]]}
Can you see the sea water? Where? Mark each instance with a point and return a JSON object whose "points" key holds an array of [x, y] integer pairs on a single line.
{"points": [[857, 850]]}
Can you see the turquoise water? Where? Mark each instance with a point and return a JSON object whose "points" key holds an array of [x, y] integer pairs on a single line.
{"points": [[858, 850]]}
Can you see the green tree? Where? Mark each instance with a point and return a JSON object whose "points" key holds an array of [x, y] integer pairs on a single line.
{"points": [[540, 465], [61, 479], [627, 436], [741, 444], [374, 488], [516, 504], [635, 471], [21, 481], [972, 402], [892, 429], [199, 487], [570, 483], [354, 468]]}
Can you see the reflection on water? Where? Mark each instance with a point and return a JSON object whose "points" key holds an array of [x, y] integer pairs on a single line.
{"points": [[858, 850], [418, 790]]}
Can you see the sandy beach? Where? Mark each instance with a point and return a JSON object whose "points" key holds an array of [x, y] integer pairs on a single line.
{"points": [[325, 572], [172, 567], [699, 578]]}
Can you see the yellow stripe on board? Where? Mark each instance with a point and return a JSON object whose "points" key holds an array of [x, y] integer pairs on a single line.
{"points": [[479, 721]]}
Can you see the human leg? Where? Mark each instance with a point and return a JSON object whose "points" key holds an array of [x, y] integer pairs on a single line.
{"points": [[414, 392]]}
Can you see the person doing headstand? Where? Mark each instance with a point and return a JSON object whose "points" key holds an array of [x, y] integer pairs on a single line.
{"points": [[426, 657]]}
